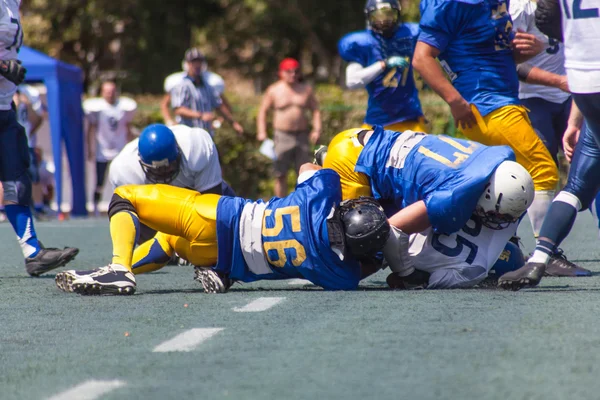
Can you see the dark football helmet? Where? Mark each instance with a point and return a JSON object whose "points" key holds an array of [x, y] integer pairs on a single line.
{"points": [[366, 228], [383, 16]]}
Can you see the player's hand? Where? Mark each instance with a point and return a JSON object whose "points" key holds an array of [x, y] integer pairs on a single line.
{"points": [[527, 44], [238, 128], [463, 115], [13, 71], [314, 137], [261, 136], [396, 61], [208, 116], [564, 84], [570, 139]]}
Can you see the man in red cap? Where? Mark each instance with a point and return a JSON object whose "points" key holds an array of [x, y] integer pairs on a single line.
{"points": [[291, 99]]}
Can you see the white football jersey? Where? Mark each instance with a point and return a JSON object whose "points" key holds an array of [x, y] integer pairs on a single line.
{"points": [[111, 121], [215, 81], [581, 31], [551, 59], [11, 39], [33, 97], [200, 169], [462, 259]]}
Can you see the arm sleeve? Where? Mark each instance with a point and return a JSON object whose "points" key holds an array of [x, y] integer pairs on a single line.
{"points": [[548, 19], [468, 276], [441, 21], [358, 77]]}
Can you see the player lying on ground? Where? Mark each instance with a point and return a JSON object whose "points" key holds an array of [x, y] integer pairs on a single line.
{"points": [[435, 181], [307, 234]]}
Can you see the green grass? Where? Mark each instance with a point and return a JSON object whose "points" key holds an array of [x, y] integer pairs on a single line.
{"points": [[373, 343]]}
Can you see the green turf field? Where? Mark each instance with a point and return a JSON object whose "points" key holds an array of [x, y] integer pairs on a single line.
{"points": [[539, 343]]}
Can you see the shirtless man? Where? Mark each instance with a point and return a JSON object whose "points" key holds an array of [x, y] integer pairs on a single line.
{"points": [[291, 99]]}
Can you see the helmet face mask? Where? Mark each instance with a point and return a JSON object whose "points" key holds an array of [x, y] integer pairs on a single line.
{"points": [[160, 155], [383, 16], [163, 171]]}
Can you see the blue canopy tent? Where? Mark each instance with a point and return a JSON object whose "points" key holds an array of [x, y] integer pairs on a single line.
{"points": [[64, 84]]}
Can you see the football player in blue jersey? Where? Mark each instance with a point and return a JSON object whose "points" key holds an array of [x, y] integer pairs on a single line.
{"points": [[307, 234], [478, 49], [380, 59]]}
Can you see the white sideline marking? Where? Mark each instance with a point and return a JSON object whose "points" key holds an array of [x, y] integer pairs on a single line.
{"points": [[89, 390], [299, 282], [187, 341], [260, 304]]}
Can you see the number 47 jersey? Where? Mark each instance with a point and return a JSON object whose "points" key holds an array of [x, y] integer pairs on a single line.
{"points": [[462, 259], [285, 238]]}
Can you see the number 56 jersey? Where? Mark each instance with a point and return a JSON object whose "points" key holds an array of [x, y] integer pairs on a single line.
{"points": [[462, 259], [285, 238]]}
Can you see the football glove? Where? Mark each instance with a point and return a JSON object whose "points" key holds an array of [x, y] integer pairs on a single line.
{"points": [[13, 71], [396, 62]]}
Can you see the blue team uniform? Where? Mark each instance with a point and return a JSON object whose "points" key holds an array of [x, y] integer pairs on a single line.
{"points": [[448, 174], [298, 229], [473, 37], [393, 96]]}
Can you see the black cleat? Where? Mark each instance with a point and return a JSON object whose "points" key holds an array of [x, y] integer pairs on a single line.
{"points": [[112, 279], [528, 275], [560, 266], [211, 280], [48, 259], [415, 281]]}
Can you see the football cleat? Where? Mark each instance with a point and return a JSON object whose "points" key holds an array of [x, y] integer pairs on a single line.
{"points": [[558, 265], [112, 279], [211, 280], [48, 259], [528, 275]]}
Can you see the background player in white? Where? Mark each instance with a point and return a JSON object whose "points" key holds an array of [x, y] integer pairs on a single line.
{"points": [[462, 259], [30, 114], [192, 161], [14, 151], [109, 129]]}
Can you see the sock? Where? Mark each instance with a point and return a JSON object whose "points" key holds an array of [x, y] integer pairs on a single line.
{"points": [[124, 229], [595, 210], [560, 219], [539, 208], [22, 223], [97, 197], [151, 255]]}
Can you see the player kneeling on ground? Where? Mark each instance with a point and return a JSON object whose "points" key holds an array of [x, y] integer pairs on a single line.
{"points": [[307, 234]]}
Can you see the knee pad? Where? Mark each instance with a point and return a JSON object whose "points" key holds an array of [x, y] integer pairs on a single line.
{"points": [[118, 204], [18, 191]]}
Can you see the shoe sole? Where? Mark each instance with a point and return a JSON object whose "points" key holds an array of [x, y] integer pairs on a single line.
{"points": [[518, 285], [95, 289], [64, 281], [209, 283], [64, 260]]}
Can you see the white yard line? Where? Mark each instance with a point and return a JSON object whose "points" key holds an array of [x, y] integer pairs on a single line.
{"points": [[260, 304], [187, 341], [299, 282], [89, 390]]}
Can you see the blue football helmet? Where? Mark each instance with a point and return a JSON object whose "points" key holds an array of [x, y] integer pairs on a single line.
{"points": [[510, 259], [160, 156], [383, 16]]}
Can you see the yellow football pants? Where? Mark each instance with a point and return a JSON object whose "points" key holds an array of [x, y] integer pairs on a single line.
{"points": [[510, 125], [185, 220], [418, 125]]}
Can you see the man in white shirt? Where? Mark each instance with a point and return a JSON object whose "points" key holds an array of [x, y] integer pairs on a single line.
{"points": [[109, 129]]}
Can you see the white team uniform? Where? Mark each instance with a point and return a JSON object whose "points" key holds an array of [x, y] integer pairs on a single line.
{"points": [[551, 59], [33, 96], [200, 169], [111, 121], [11, 39], [462, 259], [581, 31], [213, 80]]}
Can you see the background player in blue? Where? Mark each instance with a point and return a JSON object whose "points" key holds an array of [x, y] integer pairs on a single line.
{"points": [[14, 151], [307, 234], [581, 33], [478, 48], [380, 59]]}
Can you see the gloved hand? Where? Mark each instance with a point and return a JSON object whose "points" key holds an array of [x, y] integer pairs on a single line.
{"points": [[396, 61], [13, 71]]}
